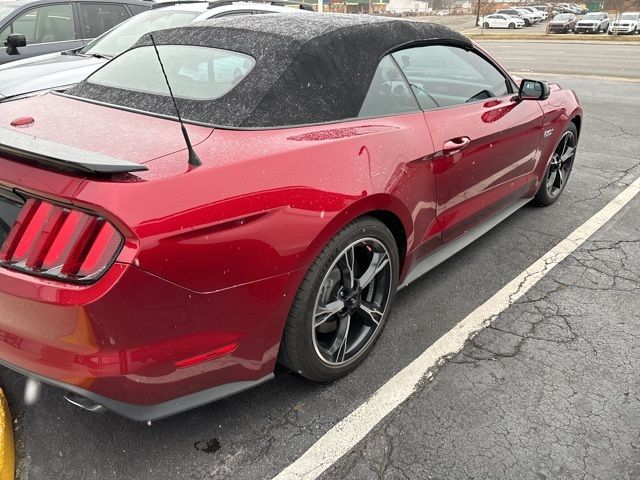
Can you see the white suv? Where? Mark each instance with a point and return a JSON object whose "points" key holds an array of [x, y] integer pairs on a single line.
{"points": [[628, 22]]}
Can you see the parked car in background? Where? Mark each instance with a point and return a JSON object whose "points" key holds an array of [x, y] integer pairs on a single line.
{"points": [[581, 10], [537, 16], [38, 75], [627, 23], [526, 17], [29, 28], [500, 20], [568, 8], [334, 159], [595, 22], [542, 10], [563, 23]]}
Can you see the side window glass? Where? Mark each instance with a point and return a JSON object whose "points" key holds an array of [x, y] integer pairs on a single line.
{"points": [[47, 24], [100, 17], [4, 34], [443, 76], [136, 9], [388, 93]]}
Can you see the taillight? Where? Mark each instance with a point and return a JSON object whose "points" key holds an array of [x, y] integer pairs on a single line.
{"points": [[56, 241]]}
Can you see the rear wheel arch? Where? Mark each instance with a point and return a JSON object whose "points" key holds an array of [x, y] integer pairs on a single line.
{"points": [[383, 207], [577, 121], [394, 224]]}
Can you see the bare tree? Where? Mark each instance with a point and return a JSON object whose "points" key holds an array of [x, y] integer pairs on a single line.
{"points": [[619, 6], [483, 8]]}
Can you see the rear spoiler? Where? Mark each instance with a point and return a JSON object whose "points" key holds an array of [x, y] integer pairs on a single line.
{"points": [[24, 146]]}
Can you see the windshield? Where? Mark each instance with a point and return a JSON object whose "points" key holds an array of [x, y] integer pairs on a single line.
{"points": [[6, 10], [195, 73], [562, 17], [629, 16], [127, 33], [591, 16]]}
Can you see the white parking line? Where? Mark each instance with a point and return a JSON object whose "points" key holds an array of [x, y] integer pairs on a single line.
{"points": [[348, 432]]}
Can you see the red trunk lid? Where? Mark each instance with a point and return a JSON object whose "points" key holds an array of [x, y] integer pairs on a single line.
{"points": [[99, 129]]}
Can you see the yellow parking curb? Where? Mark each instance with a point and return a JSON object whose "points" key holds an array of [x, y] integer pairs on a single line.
{"points": [[7, 451]]}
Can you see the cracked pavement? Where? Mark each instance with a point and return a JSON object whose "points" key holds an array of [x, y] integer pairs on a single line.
{"points": [[548, 391]]}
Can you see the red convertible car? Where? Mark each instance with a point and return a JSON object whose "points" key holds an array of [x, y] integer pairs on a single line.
{"points": [[335, 159]]}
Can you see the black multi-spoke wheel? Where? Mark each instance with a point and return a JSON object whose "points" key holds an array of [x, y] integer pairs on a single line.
{"points": [[559, 169], [343, 302], [352, 301]]}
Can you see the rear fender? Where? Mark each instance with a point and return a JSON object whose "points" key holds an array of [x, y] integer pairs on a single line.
{"points": [[369, 205]]}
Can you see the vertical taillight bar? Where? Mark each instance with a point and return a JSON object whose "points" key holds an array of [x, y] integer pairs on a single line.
{"points": [[18, 230], [50, 229], [59, 241]]}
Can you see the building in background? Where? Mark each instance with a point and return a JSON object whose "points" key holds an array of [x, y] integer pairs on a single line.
{"points": [[356, 6], [403, 7]]}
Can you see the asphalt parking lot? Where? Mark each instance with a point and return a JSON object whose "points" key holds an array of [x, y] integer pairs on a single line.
{"points": [[550, 391], [595, 59]]}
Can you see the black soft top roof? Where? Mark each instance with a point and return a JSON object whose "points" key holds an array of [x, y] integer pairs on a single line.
{"points": [[310, 68]]}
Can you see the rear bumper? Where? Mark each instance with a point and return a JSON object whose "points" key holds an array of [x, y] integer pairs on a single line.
{"points": [[122, 341], [144, 413]]}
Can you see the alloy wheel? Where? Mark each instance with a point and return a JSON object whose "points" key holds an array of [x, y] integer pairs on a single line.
{"points": [[561, 164], [352, 301]]}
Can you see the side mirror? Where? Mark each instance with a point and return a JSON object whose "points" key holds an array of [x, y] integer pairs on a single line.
{"points": [[533, 90], [14, 41]]}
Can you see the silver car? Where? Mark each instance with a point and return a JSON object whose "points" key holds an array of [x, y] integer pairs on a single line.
{"points": [[59, 71]]}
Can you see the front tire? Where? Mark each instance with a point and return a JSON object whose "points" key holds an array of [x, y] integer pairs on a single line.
{"points": [[343, 303], [512, 26], [559, 169], [485, 25]]}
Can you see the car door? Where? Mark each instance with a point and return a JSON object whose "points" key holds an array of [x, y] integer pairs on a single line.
{"points": [[395, 142], [486, 141], [97, 18], [47, 28]]}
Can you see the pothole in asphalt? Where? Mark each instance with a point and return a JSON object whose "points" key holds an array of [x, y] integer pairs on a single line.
{"points": [[207, 446]]}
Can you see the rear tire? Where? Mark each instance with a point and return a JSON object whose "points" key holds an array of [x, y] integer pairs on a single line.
{"points": [[355, 277], [559, 168], [485, 25]]}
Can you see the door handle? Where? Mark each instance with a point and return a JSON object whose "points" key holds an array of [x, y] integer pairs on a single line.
{"points": [[455, 145]]}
